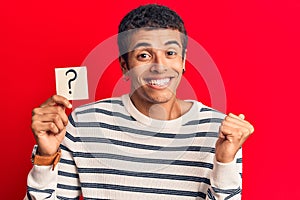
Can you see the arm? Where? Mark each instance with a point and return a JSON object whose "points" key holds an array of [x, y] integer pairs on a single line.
{"points": [[62, 182], [226, 179], [226, 176], [49, 123]]}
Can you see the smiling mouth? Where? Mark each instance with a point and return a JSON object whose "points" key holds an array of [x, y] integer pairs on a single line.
{"points": [[158, 82]]}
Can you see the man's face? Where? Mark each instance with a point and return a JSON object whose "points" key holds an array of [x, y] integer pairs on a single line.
{"points": [[155, 64]]}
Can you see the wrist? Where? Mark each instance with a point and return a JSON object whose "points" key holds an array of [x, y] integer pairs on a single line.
{"points": [[46, 154], [225, 175], [45, 160], [224, 158]]}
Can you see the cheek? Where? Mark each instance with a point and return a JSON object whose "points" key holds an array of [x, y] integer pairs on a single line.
{"points": [[177, 66], [136, 73], [137, 70]]}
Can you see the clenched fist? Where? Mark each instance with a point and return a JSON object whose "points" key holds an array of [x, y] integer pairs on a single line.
{"points": [[234, 131]]}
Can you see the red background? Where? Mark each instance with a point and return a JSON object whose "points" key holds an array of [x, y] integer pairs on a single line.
{"points": [[255, 45]]}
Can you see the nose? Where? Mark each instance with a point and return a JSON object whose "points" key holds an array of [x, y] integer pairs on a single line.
{"points": [[158, 66]]}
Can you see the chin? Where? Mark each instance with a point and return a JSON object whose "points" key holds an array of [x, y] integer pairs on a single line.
{"points": [[151, 96], [159, 97], [157, 100]]}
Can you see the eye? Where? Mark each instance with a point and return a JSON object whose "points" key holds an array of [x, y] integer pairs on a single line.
{"points": [[171, 53], [144, 56]]}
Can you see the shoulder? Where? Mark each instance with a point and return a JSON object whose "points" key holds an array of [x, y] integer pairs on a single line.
{"points": [[206, 112], [104, 107], [103, 103]]}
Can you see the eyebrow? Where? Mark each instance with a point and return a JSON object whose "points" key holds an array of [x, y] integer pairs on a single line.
{"points": [[142, 44], [173, 42], [145, 44]]}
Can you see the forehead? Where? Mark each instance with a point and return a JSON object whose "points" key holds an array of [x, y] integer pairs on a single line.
{"points": [[157, 38]]}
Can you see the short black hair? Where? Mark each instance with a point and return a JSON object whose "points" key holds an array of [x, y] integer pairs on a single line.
{"points": [[149, 16]]}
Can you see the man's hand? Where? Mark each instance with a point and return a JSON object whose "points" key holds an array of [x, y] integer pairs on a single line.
{"points": [[234, 131], [49, 124]]}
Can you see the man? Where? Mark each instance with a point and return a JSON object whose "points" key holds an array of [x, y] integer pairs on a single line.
{"points": [[144, 145]]}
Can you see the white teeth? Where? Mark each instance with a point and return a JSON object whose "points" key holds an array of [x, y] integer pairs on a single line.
{"points": [[159, 82]]}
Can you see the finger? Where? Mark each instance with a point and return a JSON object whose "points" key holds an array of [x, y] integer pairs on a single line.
{"points": [[55, 118], [46, 110], [226, 131], [62, 101], [235, 119], [237, 134], [57, 100], [221, 135], [61, 112], [238, 123], [242, 116], [232, 124], [41, 128], [51, 110]]}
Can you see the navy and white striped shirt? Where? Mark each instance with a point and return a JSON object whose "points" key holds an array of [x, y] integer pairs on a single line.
{"points": [[112, 151]]}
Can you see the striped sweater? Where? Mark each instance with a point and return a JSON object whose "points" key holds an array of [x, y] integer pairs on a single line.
{"points": [[112, 151]]}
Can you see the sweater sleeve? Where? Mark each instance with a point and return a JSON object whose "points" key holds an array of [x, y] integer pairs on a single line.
{"points": [[226, 180], [60, 183]]}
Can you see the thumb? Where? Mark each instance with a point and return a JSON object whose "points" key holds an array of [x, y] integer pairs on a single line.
{"points": [[241, 116]]}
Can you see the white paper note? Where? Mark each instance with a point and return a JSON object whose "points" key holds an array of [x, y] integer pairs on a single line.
{"points": [[72, 82]]}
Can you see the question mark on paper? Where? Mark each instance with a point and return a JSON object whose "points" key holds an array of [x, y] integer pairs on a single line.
{"points": [[72, 79]]}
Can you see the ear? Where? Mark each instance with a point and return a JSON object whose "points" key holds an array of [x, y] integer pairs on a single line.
{"points": [[123, 65]]}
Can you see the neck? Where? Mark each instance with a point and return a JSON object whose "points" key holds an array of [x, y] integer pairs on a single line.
{"points": [[169, 110]]}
